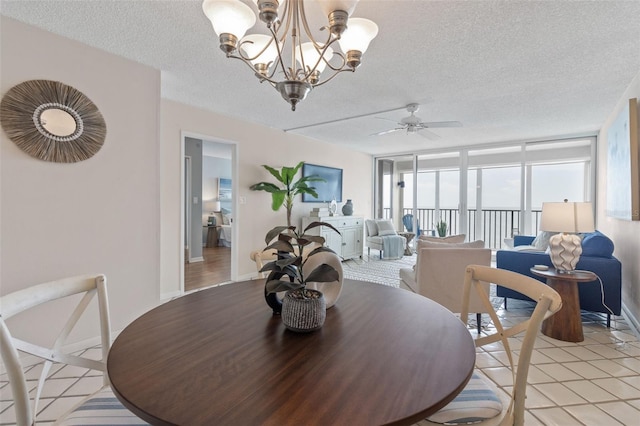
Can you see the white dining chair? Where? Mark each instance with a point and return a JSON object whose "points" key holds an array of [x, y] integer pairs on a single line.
{"points": [[100, 408], [478, 401]]}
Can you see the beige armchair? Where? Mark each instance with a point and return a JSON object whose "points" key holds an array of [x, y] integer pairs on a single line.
{"points": [[440, 270]]}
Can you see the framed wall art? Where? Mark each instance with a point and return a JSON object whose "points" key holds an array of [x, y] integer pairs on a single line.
{"points": [[623, 158]]}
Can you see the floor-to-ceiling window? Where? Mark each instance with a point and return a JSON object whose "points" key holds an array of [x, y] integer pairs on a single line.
{"points": [[490, 192]]}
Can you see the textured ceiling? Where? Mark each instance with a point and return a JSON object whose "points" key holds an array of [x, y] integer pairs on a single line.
{"points": [[508, 70]]}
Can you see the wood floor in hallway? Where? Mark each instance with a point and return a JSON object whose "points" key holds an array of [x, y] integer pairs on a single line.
{"points": [[215, 269]]}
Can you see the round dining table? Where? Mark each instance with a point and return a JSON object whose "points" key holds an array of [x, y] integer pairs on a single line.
{"points": [[220, 357]]}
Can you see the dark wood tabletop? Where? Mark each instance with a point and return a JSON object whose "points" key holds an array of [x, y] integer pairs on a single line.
{"points": [[219, 357]]}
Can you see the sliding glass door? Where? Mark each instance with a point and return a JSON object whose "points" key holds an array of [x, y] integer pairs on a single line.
{"points": [[489, 193]]}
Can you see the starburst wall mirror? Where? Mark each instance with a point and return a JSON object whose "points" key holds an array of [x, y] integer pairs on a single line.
{"points": [[52, 121]]}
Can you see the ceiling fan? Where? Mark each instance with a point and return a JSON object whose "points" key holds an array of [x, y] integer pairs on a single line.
{"points": [[414, 124]]}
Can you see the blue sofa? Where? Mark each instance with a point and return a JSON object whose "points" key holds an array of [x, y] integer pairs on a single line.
{"points": [[597, 257]]}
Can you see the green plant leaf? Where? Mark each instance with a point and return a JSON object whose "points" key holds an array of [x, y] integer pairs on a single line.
{"points": [[324, 273], [265, 186], [288, 173], [275, 173], [277, 199]]}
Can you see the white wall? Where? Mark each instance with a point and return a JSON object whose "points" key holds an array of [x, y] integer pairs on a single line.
{"points": [[625, 234], [100, 215], [256, 145]]}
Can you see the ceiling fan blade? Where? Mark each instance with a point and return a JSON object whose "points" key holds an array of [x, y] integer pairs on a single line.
{"points": [[387, 119], [387, 131], [433, 124], [428, 134]]}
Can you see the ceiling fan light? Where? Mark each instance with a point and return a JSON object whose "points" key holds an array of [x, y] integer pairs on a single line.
{"points": [[229, 17], [358, 35]]}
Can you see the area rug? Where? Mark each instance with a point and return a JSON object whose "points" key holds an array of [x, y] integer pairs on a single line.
{"points": [[386, 272]]}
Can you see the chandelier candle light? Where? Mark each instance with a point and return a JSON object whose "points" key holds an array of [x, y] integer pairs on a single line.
{"points": [[567, 219], [283, 50]]}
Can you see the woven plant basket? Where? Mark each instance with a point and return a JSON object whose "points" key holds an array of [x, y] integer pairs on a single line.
{"points": [[303, 315]]}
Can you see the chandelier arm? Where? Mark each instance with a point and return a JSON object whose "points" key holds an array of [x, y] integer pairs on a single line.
{"points": [[322, 49], [338, 54], [279, 49], [250, 65], [246, 58], [333, 76]]}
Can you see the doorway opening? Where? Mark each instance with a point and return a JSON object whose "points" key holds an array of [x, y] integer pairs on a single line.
{"points": [[208, 207]]}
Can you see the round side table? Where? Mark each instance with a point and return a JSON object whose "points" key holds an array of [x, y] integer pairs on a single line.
{"points": [[409, 237], [566, 324]]}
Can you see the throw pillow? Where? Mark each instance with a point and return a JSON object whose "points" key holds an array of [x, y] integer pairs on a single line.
{"points": [[372, 228], [541, 242], [525, 248], [597, 244], [385, 227], [449, 239]]}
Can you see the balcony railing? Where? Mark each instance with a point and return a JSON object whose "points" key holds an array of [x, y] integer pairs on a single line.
{"points": [[496, 224]]}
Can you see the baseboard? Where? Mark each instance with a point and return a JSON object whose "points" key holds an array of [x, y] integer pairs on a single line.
{"points": [[633, 322], [250, 276], [170, 295], [196, 259]]}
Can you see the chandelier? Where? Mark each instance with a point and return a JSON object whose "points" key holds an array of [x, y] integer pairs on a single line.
{"points": [[289, 57]]}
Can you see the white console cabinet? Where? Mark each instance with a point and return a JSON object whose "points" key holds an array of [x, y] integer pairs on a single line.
{"points": [[347, 244]]}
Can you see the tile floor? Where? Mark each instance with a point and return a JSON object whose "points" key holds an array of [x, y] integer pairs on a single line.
{"points": [[595, 382]]}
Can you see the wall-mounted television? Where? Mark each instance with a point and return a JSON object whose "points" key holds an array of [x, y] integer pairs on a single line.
{"points": [[327, 191]]}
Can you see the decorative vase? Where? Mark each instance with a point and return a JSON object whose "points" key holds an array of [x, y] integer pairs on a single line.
{"points": [[347, 209], [303, 315], [333, 207]]}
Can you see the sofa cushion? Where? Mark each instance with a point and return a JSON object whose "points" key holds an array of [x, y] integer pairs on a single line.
{"points": [[408, 277], [385, 227], [449, 239], [597, 244], [372, 228]]}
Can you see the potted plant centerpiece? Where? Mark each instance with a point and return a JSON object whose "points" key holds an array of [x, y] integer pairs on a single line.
{"points": [[303, 309]]}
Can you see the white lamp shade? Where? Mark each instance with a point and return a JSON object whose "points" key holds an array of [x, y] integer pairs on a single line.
{"points": [[329, 6], [567, 217], [257, 43], [311, 56], [358, 35], [229, 16]]}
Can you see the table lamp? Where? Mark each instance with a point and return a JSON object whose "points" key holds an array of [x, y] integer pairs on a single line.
{"points": [[567, 219]]}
